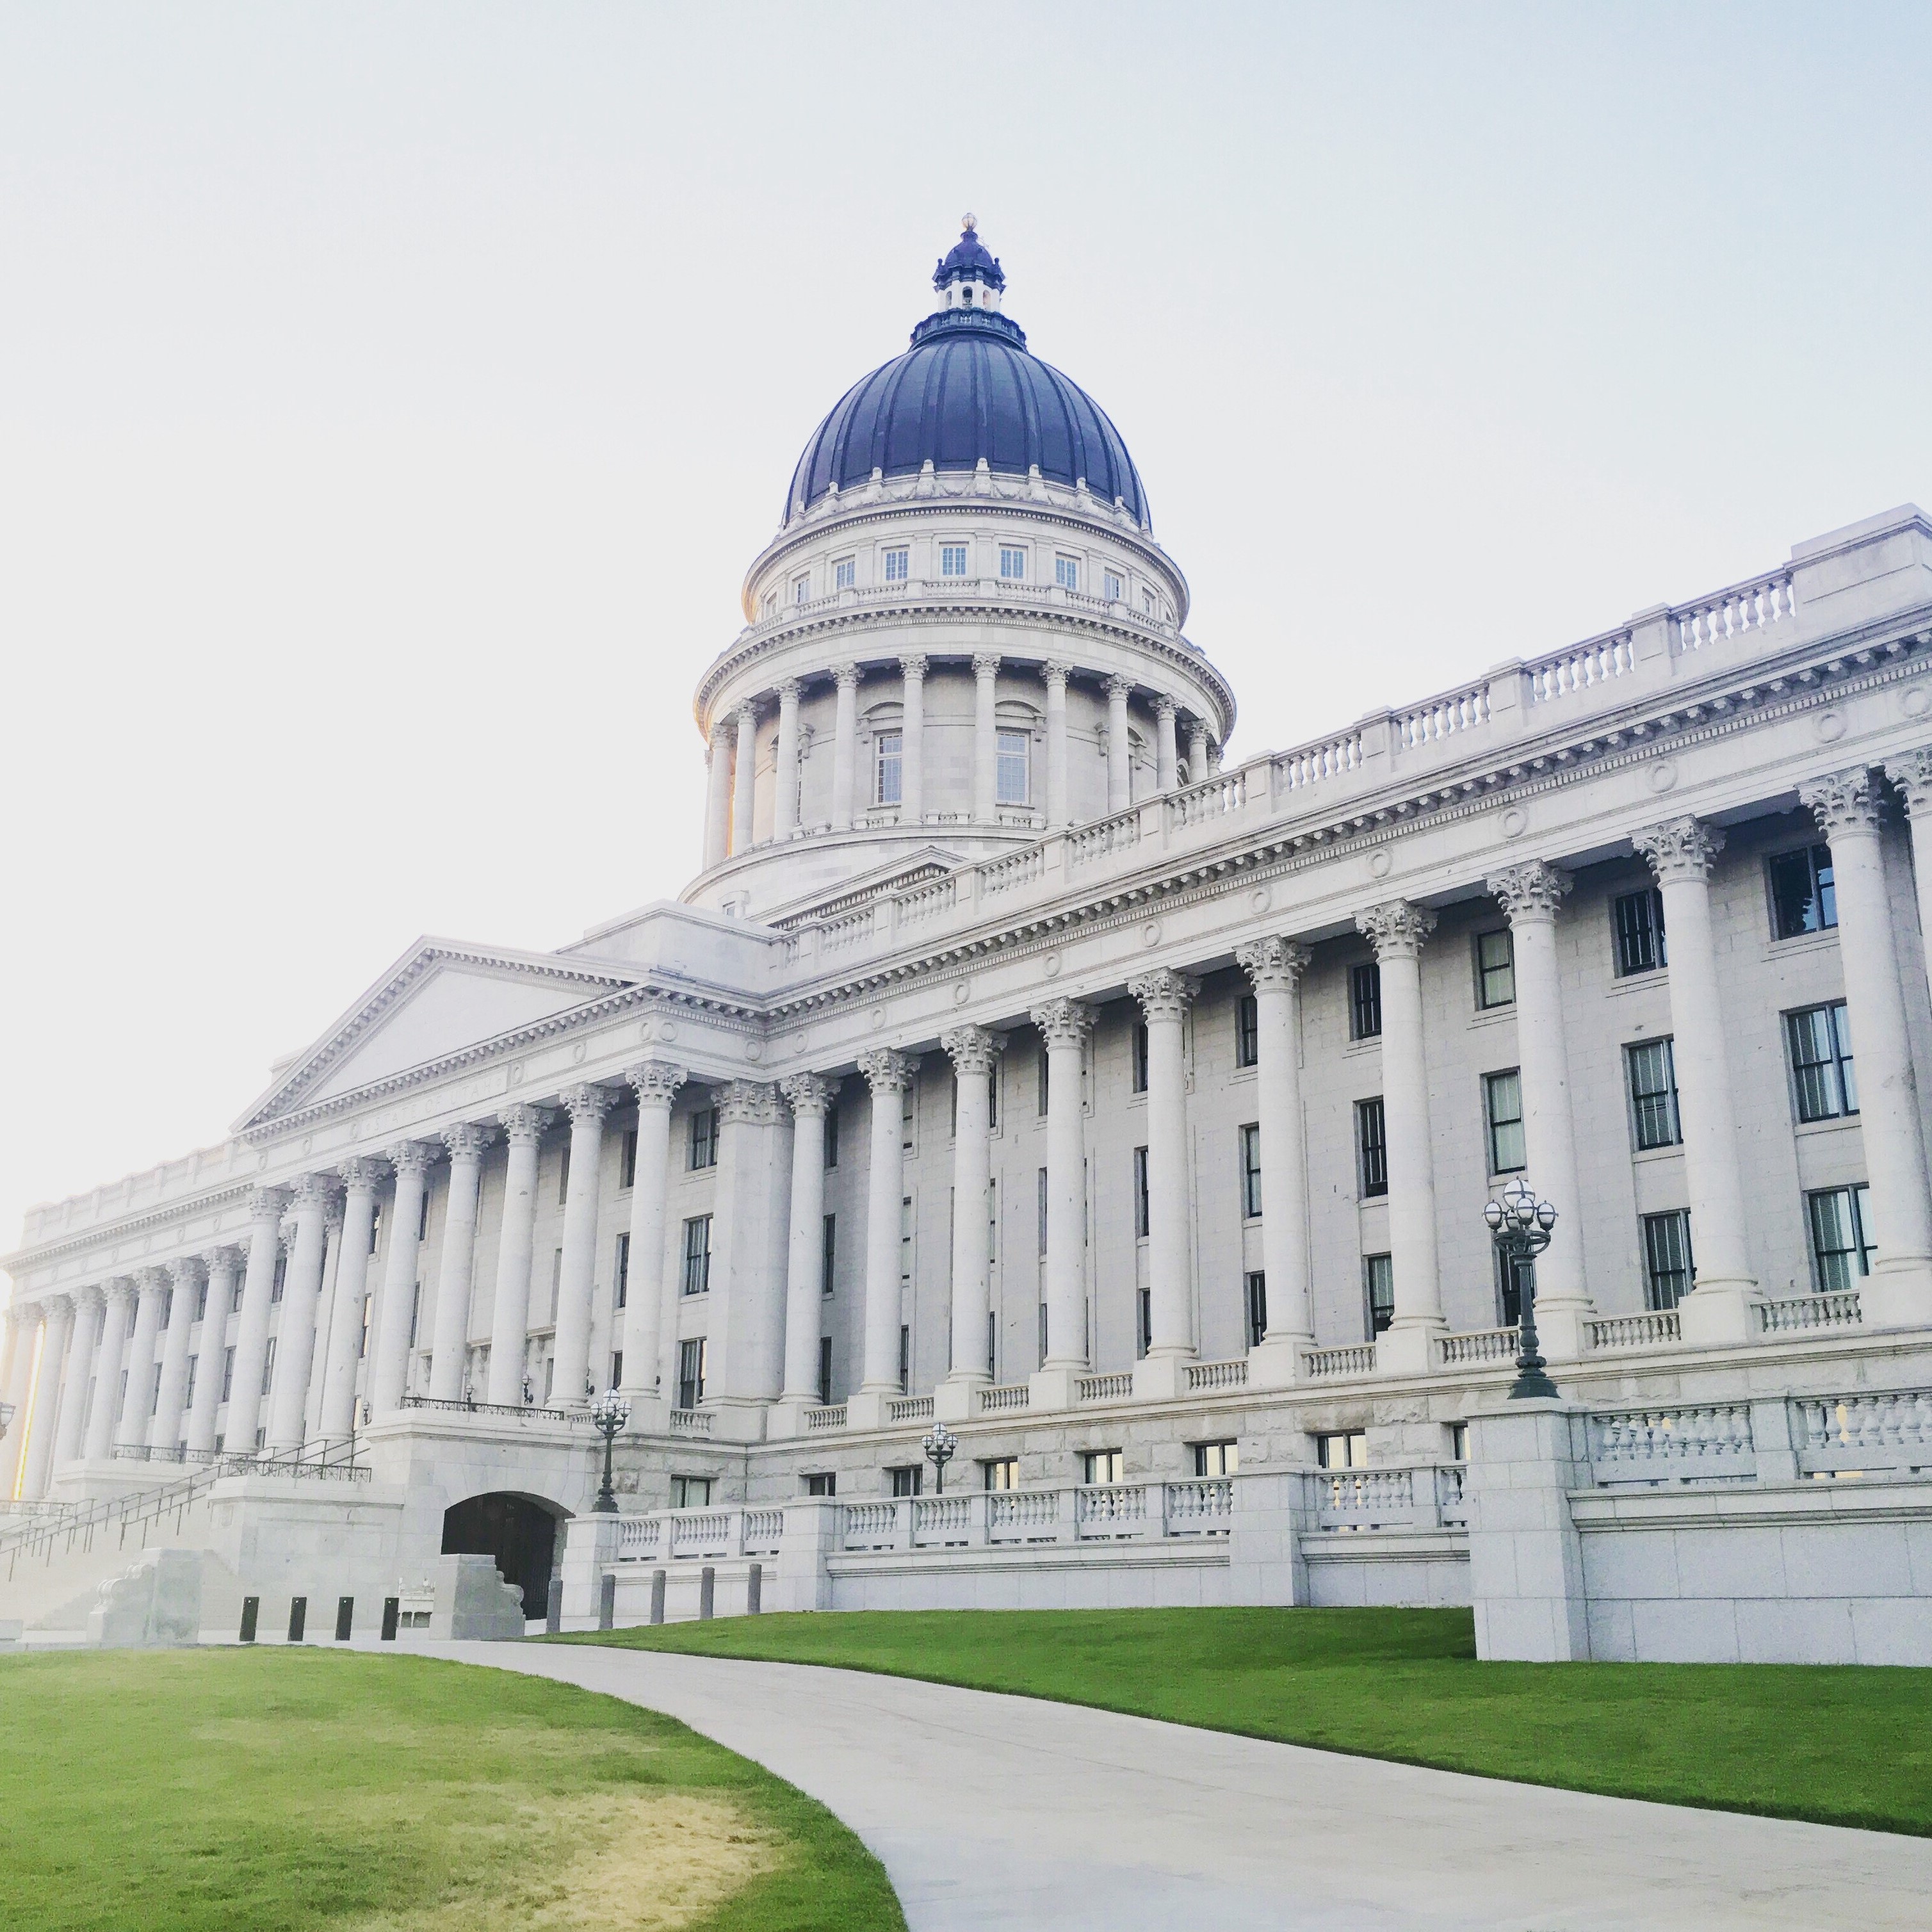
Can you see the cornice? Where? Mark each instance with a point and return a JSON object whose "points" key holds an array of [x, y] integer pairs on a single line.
{"points": [[110, 1232]]}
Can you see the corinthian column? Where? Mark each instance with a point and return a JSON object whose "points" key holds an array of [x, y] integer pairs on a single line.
{"points": [[301, 1291], [185, 1278], [717, 797], [1899, 1294], [105, 1410], [586, 1105], [1276, 967], [137, 1404], [1119, 764], [450, 1337], [388, 1373], [1164, 997], [974, 1053], [1719, 1310], [1058, 812], [23, 1327], [360, 1179], [647, 1286], [1166, 753], [844, 744], [1398, 931], [49, 1399], [523, 1128], [784, 801], [1065, 1026], [744, 776], [746, 1344], [266, 1207], [1197, 751], [912, 741], [81, 1359], [1530, 894], [810, 1097], [888, 1074], [985, 737], [224, 1266], [1912, 775]]}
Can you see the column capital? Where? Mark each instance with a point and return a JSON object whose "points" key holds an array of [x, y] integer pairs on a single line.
{"points": [[748, 1103], [268, 1204], [119, 1292], [655, 1082], [913, 666], [314, 1192], [1121, 689], [1397, 928], [1275, 964], [744, 714], [808, 1095], [22, 1316], [90, 1298], [1063, 1022], [1164, 709], [226, 1259], [525, 1126], [186, 1272], [1912, 775], [1532, 890], [467, 1140], [1847, 801], [587, 1103], [887, 1070], [363, 1175], [972, 1049], [149, 1280], [787, 689], [845, 676], [1164, 994], [412, 1157], [1056, 671], [985, 664], [1679, 848], [58, 1303]]}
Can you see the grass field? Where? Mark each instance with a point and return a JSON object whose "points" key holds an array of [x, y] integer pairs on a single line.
{"points": [[272, 1791], [1842, 1746]]}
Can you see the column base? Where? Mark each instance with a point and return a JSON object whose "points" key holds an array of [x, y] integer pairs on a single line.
{"points": [[1053, 1389], [1560, 1332], [739, 1421], [1897, 1297], [867, 1408], [785, 1418], [1408, 1348], [1161, 1378], [953, 1399], [1719, 1314], [650, 1414], [1275, 1361]]}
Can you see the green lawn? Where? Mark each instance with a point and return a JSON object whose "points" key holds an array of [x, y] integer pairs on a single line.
{"points": [[274, 1790], [1842, 1745]]}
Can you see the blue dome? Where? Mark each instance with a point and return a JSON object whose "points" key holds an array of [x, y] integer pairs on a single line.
{"points": [[968, 387]]}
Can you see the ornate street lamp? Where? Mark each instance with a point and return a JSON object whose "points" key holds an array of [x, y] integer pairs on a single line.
{"points": [[940, 1446], [1520, 1225], [610, 1412]]}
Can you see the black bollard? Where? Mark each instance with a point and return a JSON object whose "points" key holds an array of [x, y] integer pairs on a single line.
{"points": [[392, 1614], [345, 1618], [251, 1609], [297, 1618]]}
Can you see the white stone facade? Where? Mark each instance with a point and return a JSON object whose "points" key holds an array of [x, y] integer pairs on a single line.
{"points": [[1091, 988]]}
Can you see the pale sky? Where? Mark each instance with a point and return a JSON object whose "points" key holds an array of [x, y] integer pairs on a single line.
{"points": [[391, 397]]}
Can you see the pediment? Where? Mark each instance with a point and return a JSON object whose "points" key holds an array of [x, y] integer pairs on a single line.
{"points": [[440, 1002]]}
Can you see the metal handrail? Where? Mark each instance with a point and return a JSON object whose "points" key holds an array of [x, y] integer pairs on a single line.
{"points": [[464, 1406]]}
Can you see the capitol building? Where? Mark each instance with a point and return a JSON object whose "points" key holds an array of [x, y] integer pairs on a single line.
{"points": [[1016, 1069]]}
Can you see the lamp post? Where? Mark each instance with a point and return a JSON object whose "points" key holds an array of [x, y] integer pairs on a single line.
{"points": [[610, 1412], [940, 1445], [1520, 1225]]}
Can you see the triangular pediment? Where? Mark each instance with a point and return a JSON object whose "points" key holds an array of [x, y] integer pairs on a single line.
{"points": [[441, 1002]]}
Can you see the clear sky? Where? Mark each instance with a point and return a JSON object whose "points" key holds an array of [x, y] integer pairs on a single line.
{"points": [[392, 396]]}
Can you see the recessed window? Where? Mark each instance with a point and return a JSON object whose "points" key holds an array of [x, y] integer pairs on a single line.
{"points": [[1459, 1441], [1039, 1202], [1247, 1030], [697, 1255], [1502, 1110], [690, 1492], [623, 1270], [1495, 970], [907, 1480], [1652, 1067], [627, 1160], [1112, 587], [1146, 602], [1372, 1148], [1143, 1323], [844, 573], [1378, 1285], [1365, 1000], [825, 1483], [1841, 1237], [905, 1357], [801, 589], [1140, 1056], [828, 1255], [1102, 1466], [1251, 1172], [1001, 1472], [1140, 1194], [691, 1364], [1066, 572], [1216, 1459], [771, 603], [1012, 775], [280, 1279], [1669, 1269], [1012, 563], [887, 767], [1821, 1061], [825, 1368], [1637, 920], [898, 565], [952, 559], [1804, 893], [1342, 1449], [1257, 1304], [1045, 1081]]}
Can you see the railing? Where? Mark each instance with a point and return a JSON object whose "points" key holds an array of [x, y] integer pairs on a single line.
{"points": [[693, 1421], [909, 1408], [1204, 1377], [639, 1536], [1636, 1331], [932, 901], [1311, 764], [1479, 1346], [763, 1528], [996, 1401], [1205, 1507], [1451, 1488], [1023, 1516], [1110, 1509], [830, 1415], [1102, 838], [1113, 1388], [1439, 717], [849, 928], [1800, 1313], [465, 1407], [1216, 798], [1753, 605], [1011, 870], [1889, 1431], [1697, 1443], [1424, 1496], [1579, 666], [869, 1526], [941, 1520], [1358, 1359], [701, 1532]]}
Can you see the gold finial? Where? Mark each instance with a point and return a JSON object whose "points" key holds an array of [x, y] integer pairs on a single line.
{"points": [[969, 222]]}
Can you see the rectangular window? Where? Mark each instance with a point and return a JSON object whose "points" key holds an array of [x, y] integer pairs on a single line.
{"points": [[887, 765], [703, 1139], [188, 1387], [1841, 1237], [201, 1303], [1040, 1192], [362, 1340], [1140, 1056], [801, 589], [1143, 1323], [993, 1345], [267, 1364], [1040, 1339], [1637, 920], [1002, 1472], [691, 1372], [771, 603], [1247, 1031], [563, 1176], [829, 1253], [280, 1281], [690, 1492], [1344, 1449], [1251, 1172], [1821, 1062], [905, 1357], [907, 1480], [1101, 1466], [227, 1373], [952, 559], [1459, 1441], [1014, 782], [1378, 1281], [1046, 1079], [1652, 1066], [1804, 896], [824, 1484], [1112, 586], [1669, 1267], [1257, 1298], [415, 1310], [897, 566], [697, 1255], [1371, 1148], [623, 1271], [1495, 970], [844, 573], [1502, 1111], [1012, 562], [1216, 1459], [1365, 1000], [832, 1135], [825, 1369], [1146, 602], [1140, 1194], [375, 1226], [627, 1160], [235, 1299]]}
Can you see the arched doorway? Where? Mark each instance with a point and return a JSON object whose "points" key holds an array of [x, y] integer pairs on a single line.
{"points": [[519, 1531]]}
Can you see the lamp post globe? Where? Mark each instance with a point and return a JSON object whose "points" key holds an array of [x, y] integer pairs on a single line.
{"points": [[609, 1414], [1520, 1225], [940, 1446]]}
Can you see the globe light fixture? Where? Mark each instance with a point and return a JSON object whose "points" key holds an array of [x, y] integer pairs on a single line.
{"points": [[1520, 1225], [940, 1446], [610, 1412]]}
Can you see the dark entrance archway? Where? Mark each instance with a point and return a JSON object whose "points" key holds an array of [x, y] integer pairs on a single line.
{"points": [[519, 1531]]}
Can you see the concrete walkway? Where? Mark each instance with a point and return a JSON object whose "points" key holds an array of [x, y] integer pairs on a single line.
{"points": [[996, 1812]]}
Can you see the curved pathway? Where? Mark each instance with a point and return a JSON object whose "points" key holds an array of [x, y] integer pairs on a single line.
{"points": [[999, 1812]]}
